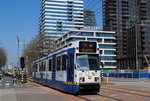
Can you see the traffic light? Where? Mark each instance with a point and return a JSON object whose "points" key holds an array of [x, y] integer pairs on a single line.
{"points": [[22, 62]]}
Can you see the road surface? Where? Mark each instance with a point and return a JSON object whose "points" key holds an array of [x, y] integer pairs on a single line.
{"points": [[123, 90]]}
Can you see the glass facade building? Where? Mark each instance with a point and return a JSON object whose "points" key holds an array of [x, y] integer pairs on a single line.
{"points": [[119, 15], [56, 18], [89, 18], [142, 30], [107, 48], [59, 16]]}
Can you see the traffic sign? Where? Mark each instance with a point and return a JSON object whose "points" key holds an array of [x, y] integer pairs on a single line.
{"points": [[107, 74]]}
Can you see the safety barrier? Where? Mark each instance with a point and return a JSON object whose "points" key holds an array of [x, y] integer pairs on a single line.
{"points": [[129, 75], [149, 75]]}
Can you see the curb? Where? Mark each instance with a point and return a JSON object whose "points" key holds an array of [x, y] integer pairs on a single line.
{"points": [[108, 84]]}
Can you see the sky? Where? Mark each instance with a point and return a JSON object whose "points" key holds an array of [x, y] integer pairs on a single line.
{"points": [[17, 18], [20, 18], [96, 6]]}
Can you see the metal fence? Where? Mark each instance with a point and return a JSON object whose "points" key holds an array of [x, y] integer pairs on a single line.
{"points": [[145, 73]]}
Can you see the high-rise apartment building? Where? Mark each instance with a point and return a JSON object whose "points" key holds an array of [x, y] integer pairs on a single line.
{"points": [[89, 18], [142, 40], [105, 40], [118, 15], [58, 17]]}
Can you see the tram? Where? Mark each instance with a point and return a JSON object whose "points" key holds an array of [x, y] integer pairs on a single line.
{"points": [[71, 69]]}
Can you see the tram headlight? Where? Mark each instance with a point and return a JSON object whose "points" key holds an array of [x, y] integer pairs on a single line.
{"points": [[96, 78], [81, 79]]}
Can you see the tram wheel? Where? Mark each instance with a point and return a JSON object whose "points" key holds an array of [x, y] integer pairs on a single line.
{"points": [[77, 93]]}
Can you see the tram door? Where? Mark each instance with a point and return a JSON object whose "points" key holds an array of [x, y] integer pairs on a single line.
{"points": [[70, 67], [70, 71], [35, 71], [41, 70], [53, 69]]}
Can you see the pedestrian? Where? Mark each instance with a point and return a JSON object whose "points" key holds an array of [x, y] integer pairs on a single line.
{"points": [[14, 79]]}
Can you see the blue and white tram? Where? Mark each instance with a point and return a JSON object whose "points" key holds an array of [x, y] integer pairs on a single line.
{"points": [[71, 69]]}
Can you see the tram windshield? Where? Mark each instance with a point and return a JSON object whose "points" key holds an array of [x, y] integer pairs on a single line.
{"points": [[87, 62]]}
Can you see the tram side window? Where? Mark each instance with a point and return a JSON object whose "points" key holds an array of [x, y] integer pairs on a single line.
{"points": [[44, 66], [53, 65], [58, 63], [50, 64], [70, 61], [64, 57], [40, 67], [35, 67], [70, 77]]}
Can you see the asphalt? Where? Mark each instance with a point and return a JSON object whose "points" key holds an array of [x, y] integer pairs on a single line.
{"points": [[122, 89], [10, 91], [142, 83]]}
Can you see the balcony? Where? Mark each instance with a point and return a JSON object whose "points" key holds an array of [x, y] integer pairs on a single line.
{"points": [[125, 8], [125, 12], [143, 9], [143, 40], [112, 15]]}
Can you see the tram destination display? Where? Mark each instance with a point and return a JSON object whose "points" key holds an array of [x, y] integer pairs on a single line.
{"points": [[87, 47]]}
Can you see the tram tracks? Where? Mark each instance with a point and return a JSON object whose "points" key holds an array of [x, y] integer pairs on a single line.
{"points": [[108, 92]]}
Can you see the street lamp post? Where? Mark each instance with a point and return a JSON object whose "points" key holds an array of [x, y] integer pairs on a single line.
{"points": [[136, 38], [18, 52], [136, 44]]}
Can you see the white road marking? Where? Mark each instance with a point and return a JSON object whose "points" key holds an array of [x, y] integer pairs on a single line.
{"points": [[7, 84]]}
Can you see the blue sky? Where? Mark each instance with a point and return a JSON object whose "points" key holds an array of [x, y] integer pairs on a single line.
{"points": [[17, 17], [20, 18], [96, 6]]}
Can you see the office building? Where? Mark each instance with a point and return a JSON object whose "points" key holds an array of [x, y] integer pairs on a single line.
{"points": [[105, 39], [58, 17], [140, 34], [119, 15], [89, 18]]}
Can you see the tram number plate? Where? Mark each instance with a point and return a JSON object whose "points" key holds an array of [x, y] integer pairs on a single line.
{"points": [[89, 77]]}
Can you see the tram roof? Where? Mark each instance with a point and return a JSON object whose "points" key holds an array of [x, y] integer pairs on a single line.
{"points": [[73, 45]]}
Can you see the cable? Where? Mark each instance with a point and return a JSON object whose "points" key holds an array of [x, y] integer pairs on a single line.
{"points": [[86, 2], [95, 4], [97, 8], [89, 4], [96, 11]]}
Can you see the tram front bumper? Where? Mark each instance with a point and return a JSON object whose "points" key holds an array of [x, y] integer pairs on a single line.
{"points": [[89, 86]]}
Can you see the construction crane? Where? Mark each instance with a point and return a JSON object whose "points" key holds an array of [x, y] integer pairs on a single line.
{"points": [[145, 59]]}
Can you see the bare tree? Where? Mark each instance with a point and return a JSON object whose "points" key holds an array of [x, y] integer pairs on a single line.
{"points": [[32, 52], [3, 57], [38, 47]]}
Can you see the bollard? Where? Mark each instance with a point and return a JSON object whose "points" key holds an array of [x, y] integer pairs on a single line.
{"points": [[107, 75], [107, 80]]}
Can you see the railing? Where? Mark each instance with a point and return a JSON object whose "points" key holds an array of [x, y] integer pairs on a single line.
{"points": [[130, 74]]}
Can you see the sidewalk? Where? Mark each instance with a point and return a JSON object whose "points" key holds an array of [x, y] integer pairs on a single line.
{"points": [[142, 83], [7, 95]]}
